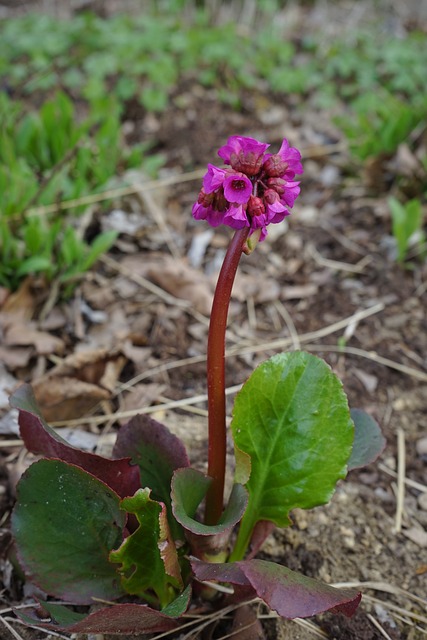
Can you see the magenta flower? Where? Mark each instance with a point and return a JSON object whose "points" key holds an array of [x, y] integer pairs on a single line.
{"points": [[243, 154], [258, 190], [236, 217], [213, 178], [290, 157], [237, 188]]}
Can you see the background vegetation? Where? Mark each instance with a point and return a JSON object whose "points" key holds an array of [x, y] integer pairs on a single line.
{"points": [[66, 86]]}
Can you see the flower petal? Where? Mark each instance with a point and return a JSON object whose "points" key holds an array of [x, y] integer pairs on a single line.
{"points": [[237, 144], [213, 179], [291, 193], [236, 218], [211, 215], [237, 188]]}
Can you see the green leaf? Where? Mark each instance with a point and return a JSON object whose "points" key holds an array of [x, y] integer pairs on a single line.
{"points": [[292, 418], [189, 487], [65, 524], [34, 264], [406, 220], [101, 244], [148, 556], [368, 443], [177, 607]]}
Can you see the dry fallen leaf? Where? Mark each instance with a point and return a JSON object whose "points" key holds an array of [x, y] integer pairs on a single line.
{"points": [[16, 357], [142, 395], [20, 304], [63, 398], [175, 277], [260, 289], [26, 335], [182, 281]]}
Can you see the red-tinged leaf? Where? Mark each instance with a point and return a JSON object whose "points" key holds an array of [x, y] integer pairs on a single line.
{"points": [[65, 523], [246, 625], [116, 620], [219, 572], [293, 595], [189, 487], [228, 572], [40, 438], [261, 531], [158, 453], [287, 592], [369, 442]]}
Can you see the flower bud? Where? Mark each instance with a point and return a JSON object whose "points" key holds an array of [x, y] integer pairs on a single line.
{"points": [[249, 163], [278, 184], [256, 207], [205, 199], [271, 196], [220, 203], [274, 166]]}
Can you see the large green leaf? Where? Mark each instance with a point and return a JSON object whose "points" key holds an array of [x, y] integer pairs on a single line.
{"points": [[148, 556], [65, 524], [292, 418]]}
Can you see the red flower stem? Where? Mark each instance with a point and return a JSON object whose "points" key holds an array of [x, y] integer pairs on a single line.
{"points": [[216, 377]]}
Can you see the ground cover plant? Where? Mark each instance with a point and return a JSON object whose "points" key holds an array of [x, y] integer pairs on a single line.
{"points": [[142, 60], [78, 516]]}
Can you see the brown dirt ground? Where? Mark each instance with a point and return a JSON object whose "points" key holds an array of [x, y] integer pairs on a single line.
{"points": [[334, 260]]}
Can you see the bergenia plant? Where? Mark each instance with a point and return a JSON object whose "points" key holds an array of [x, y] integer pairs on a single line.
{"points": [[144, 535]]}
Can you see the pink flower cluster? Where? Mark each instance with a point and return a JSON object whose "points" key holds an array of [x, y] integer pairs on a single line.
{"points": [[257, 190]]}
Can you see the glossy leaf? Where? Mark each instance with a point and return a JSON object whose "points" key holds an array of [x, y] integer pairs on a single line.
{"points": [[157, 452], [369, 442], [189, 487], [65, 524], [290, 594], [292, 418], [40, 438], [148, 556], [120, 619]]}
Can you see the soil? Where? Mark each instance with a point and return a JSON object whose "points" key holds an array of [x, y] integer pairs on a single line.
{"points": [[327, 281]]}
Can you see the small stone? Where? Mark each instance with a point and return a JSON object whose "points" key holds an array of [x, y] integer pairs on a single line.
{"points": [[417, 535], [421, 446], [348, 537], [422, 501]]}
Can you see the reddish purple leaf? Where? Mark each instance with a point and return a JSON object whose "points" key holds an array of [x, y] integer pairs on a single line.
{"points": [[261, 531], [156, 451], [293, 595], [126, 618], [225, 572], [40, 438], [219, 572], [246, 625], [287, 592]]}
